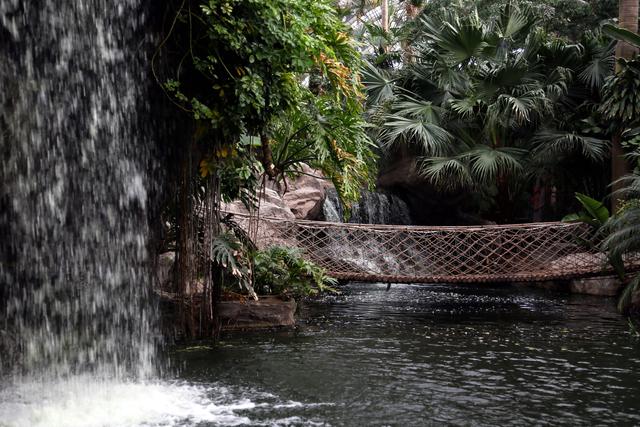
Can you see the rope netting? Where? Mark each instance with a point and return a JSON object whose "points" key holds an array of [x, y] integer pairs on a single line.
{"points": [[417, 254]]}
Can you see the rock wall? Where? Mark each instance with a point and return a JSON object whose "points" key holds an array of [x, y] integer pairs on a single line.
{"points": [[300, 198]]}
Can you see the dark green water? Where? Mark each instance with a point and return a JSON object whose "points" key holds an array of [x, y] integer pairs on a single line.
{"points": [[431, 355]]}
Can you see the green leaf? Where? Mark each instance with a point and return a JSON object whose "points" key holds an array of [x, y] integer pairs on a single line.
{"points": [[596, 209], [621, 34]]}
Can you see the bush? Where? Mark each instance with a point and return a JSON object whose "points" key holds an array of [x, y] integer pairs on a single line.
{"points": [[282, 270]]}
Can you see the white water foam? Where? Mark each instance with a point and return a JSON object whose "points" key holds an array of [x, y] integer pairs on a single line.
{"points": [[81, 403], [85, 402]]}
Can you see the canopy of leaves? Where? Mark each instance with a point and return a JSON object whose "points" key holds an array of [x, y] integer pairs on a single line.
{"points": [[565, 18], [242, 65], [494, 104]]}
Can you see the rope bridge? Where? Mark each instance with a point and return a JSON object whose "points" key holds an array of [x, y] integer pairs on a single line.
{"points": [[417, 254]]}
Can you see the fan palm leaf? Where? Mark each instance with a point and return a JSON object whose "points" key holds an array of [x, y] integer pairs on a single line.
{"points": [[549, 145]]}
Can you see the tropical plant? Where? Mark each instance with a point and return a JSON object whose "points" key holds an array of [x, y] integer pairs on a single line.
{"points": [[565, 18], [596, 214], [628, 20], [493, 104], [624, 233], [247, 65], [619, 235], [283, 270], [239, 69]]}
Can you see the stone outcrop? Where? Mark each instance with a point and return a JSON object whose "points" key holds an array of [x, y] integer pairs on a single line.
{"points": [[299, 198], [305, 195], [271, 205], [608, 286]]}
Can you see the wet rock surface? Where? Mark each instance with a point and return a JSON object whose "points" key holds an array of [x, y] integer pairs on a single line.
{"points": [[609, 286]]}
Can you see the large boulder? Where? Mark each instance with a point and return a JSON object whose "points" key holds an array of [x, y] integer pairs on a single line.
{"points": [[305, 194], [271, 205], [299, 198]]}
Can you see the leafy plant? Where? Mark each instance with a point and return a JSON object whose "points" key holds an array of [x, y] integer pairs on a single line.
{"points": [[624, 233], [282, 270], [230, 253], [492, 105], [596, 214], [241, 68]]}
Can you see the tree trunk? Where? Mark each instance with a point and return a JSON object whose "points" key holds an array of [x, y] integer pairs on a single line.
{"points": [[628, 16], [267, 157], [384, 6]]}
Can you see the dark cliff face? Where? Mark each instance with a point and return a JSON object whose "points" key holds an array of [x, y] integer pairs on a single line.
{"points": [[398, 176]]}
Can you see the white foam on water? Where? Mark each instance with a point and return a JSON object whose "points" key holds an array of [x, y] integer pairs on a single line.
{"points": [[80, 403]]}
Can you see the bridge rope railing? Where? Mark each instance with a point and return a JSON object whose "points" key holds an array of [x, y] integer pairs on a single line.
{"points": [[425, 254]]}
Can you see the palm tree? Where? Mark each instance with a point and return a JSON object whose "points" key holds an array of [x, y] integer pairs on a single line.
{"points": [[628, 17], [491, 104]]}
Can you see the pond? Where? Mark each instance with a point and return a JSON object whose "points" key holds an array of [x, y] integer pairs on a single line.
{"points": [[413, 355], [419, 354]]}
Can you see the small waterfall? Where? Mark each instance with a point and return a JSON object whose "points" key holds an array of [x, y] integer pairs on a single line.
{"points": [[74, 182], [373, 208]]}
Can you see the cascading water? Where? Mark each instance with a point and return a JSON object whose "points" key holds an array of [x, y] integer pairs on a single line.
{"points": [[372, 208], [75, 180], [77, 327], [78, 174]]}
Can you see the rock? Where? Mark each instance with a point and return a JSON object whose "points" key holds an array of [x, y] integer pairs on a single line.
{"points": [[305, 195], [301, 198], [608, 286], [271, 205], [267, 312]]}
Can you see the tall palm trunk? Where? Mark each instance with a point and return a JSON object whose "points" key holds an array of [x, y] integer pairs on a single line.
{"points": [[384, 5], [628, 16]]}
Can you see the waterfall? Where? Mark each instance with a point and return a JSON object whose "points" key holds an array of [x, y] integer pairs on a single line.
{"points": [[373, 208], [75, 183]]}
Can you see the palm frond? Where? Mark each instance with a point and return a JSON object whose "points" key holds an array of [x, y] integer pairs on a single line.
{"points": [[446, 173], [378, 84], [599, 66], [550, 144], [433, 139], [488, 163]]}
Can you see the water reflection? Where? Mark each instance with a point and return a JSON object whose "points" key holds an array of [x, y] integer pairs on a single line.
{"points": [[418, 354]]}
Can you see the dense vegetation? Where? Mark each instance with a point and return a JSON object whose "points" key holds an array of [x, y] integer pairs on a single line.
{"points": [[512, 104], [496, 108]]}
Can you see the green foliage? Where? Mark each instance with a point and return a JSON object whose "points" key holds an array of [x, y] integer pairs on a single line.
{"points": [[228, 252], [621, 34], [595, 213], [329, 139], [494, 104], [624, 233], [244, 66], [282, 270], [621, 97], [566, 18]]}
